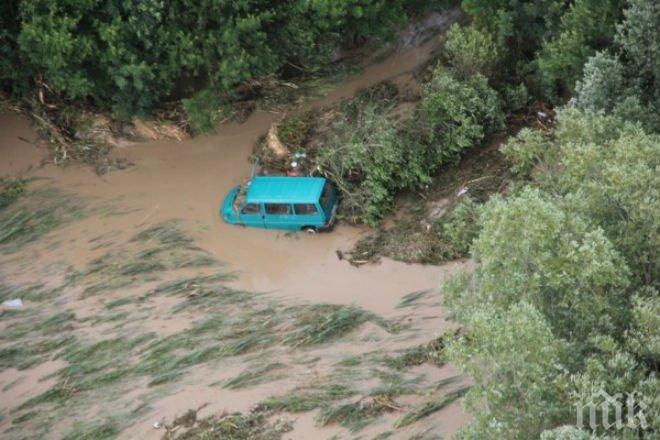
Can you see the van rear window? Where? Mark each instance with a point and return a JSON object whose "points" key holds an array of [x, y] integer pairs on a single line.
{"points": [[326, 195], [278, 208], [305, 208]]}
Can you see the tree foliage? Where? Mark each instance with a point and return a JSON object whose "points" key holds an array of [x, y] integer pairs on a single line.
{"points": [[470, 50], [585, 27], [458, 113], [128, 56], [568, 263], [367, 158], [626, 81]]}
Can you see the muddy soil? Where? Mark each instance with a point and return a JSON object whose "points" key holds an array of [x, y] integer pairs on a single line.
{"points": [[186, 181]]}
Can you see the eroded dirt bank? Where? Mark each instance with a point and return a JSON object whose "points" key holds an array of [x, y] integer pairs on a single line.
{"points": [[185, 181]]}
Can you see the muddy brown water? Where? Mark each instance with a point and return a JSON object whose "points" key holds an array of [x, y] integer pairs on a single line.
{"points": [[187, 181]]}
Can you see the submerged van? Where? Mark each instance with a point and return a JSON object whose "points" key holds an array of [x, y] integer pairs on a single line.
{"points": [[275, 202]]}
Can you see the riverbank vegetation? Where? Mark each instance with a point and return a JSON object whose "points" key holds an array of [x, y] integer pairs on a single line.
{"points": [[91, 74], [563, 304]]}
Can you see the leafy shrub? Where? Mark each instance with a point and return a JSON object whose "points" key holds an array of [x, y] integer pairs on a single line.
{"points": [[205, 109], [127, 57], [470, 50], [525, 150], [458, 113], [564, 298], [602, 84], [369, 162], [459, 229], [586, 26], [295, 130], [516, 98]]}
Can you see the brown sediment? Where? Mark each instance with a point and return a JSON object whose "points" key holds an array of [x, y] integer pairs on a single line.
{"points": [[186, 181], [18, 386], [18, 145]]}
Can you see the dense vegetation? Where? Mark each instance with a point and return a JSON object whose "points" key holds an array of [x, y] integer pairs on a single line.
{"points": [[564, 301], [128, 57]]}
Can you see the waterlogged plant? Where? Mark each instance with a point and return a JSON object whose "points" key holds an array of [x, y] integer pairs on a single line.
{"points": [[369, 161], [10, 191]]}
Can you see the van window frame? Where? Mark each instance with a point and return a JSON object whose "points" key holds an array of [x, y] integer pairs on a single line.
{"points": [[315, 205], [258, 212], [290, 211]]}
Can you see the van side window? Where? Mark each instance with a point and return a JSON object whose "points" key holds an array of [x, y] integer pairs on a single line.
{"points": [[278, 208], [251, 208], [305, 208]]}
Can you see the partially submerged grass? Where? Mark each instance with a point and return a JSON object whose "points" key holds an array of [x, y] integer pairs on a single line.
{"points": [[429, 407], [306, 399], [235, 426], [325, 322], [93, 431], [438, 224], [356, 415], [35, 216], [412, 298], [167, 248], [10, 191], [431, 352], [231, 323], [255, 375]]}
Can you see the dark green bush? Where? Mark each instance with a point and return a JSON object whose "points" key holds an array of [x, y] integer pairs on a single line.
{"points": [[470, 50], [127, 57], [458, 114], [367, 158]]}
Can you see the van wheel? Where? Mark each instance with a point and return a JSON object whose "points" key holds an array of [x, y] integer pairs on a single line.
{"points": [[311, 230]]}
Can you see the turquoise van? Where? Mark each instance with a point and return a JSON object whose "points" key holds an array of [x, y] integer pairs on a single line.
{"points": [[275, 202]]}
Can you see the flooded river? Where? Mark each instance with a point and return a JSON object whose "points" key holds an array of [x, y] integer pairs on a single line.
{"points": [[187, 181]]}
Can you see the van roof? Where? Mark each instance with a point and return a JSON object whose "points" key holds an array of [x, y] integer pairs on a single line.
{"points": [[281, 189]]}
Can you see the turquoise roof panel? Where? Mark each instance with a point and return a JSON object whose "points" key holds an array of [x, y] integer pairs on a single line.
{"points": [[281, 189]]}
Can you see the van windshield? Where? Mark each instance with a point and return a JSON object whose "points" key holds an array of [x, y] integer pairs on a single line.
{"points": [[239, 200]]}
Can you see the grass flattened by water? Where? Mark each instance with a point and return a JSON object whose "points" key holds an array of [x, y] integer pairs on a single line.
{"points": [[358, 414], [235, 426], [232, 324], [35, 215], [431, 352], [255, 375], [10, 191], [430, 406], [307, 399], [324, 322], [152, 251], [411, 299], [107, 429]]}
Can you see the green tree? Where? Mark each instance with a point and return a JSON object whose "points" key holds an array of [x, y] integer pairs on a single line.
{"points": [[457, 114], [578, 247], [626, 83], [514, 360], [470, 50], [129, 56], [587, 26]]}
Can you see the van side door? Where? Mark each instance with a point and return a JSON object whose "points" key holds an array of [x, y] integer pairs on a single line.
{"points": [[308, 214], [279, 216], [252, 214]]}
